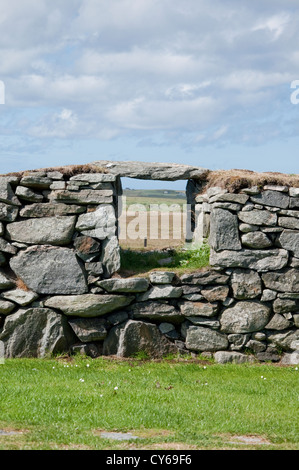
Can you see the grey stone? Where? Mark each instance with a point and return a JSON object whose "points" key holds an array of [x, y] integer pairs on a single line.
{"points": [[251, 191], [94, 178], [153, 170], [282, 281], [268, 295], [6, 193], [110, 257], [296, 320], [36, 181], [156, 311], [163, 291], [256, 240], [204, 321], [224, 231], [294, 203], [284, 339], [5, 281], [202, 309], [193, 297], [205, 278], [294, 262], [285, 305], [94, 268], [246, 284], [246, 228], [58, 185], [8, 213], [272, 198], [50, 270], [224, 357], [278, 322], [294, 192], [203, 339], [226, 205], [28, 195], [6, 307], [134, 337], [258, 217], [161, 277], [55, 175], [117, 318], [84, 196], [7, 247], [35, 332], [89, 329], [244, 317], [50, 210], [290, 359], [166, 328], [44, 231], [289, 213], [259, 260], [238, 341], [289, 222], [88, 305], [215, 293], [100, 223], [125, 285], [20, 296], [289, 240], [230, 197], [283, 189]]}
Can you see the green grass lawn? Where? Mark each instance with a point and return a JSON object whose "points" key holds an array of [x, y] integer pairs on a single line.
{"points": [[173, 404]]}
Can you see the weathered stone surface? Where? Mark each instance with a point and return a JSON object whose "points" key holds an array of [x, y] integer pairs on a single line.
{"points": [[285, 306], [246, 284], [35, 332], [43, 231], [244, 317], [230, 197], [91, 178], [294, 203], [161, 292], [288, 280], [50, 210], [289, 222], [50, 270], [28, 195], [110, 257], [289, 240], [204, 321], [256, 240], [89, 329], [88, 305], [214, 294], [290, 359], [5, 282], [100, 224], [6, 307], [259, 260], [36, 181], [278, 322], [258, 217], [137, 284], [161, 277], [156, 311], [94, 268], [224, 357], [268, 295], [153, 171], [283, 340], [8, 213], [87, 248], [238, 341], [246, 228], [224, 231], [134, 337], [6, 193], [203, 309], [7, 247], [84, 196], [203, 339], [272, 198], [204, 278], [20, 296]]}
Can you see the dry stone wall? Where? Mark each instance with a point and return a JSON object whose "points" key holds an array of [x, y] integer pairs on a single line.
{"points": [[59, 291]]}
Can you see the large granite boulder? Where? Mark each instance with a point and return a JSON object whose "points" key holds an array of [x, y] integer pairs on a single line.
{"points": [[245, 317], [134, 337], [43, 231], [50, 270], [36, 332], [203, 339]]}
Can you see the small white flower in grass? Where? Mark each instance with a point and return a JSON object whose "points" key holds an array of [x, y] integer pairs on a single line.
{"points": [[81, 380], [115, 388], [296, 368], [87, 365]]}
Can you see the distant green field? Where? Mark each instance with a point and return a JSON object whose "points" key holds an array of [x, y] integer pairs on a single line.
{"points": [[149, 197]]}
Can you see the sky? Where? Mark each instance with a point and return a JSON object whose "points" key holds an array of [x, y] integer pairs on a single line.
{"points": [[209, 83]]}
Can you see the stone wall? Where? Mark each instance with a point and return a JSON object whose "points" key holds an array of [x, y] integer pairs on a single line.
{"points": [[59, 256]]}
